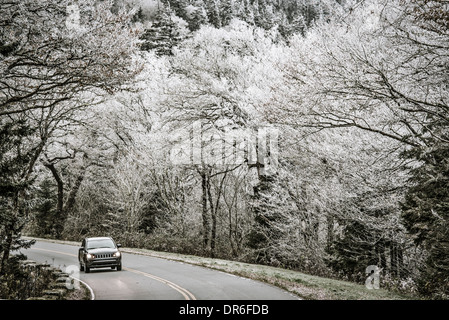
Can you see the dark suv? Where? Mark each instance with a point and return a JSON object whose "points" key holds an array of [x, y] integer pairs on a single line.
{"points": [[99, 252]]}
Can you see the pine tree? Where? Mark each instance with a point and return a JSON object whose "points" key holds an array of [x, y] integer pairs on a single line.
{"points": [[267, 204], [213, 13], [197, 15], [138, 16], [177, 6], [258, 238], [13, 209], [45, 210], [426, 215], [163, 34], [227, 11], [426, 206], [246, 12], [359, 246], [264, 17], [153, 211]]}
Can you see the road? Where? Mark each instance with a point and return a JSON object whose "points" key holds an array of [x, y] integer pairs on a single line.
{"points": [[150, 278]]}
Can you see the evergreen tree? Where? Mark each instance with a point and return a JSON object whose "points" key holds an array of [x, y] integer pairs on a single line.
{"points": [[246, 12], [13, 208], [213, 13], [426, 206], [426, 215], [355, 250], [45, 210], [227, 11], [197, 15], [139, 16], [267, 204], [258, 239], [177, 6], [153, 211], [360, 245], [162, 35], [264, 17]]}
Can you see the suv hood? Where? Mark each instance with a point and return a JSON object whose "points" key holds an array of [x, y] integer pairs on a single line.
{"points": [[102, 250]]}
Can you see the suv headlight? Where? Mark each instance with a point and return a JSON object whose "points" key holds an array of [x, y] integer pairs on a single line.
{"points": [[90, 256], [116, 254]]}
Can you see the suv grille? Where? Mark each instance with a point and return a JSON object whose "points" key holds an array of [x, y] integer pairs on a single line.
{"points": [[103, 255]]}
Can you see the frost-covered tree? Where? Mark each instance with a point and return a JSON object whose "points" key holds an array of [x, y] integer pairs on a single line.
{"points": [[213, 71], [379, 68], [56, 58]]}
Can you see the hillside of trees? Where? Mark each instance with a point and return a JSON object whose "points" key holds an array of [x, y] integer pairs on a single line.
{"points": [[305, 134]]}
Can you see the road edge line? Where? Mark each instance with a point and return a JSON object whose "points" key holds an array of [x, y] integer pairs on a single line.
{"points": [[92, 294]]}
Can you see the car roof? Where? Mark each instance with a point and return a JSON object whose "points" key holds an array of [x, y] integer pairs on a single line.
{"points": [[98, 238]]}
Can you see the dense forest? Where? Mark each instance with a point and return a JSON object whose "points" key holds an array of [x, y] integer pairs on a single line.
{"points": [[306, 134]]}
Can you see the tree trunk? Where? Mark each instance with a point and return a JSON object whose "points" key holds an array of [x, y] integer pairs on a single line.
{"points": [[396, 258], [70, 202], [6, 249], [205, 216], [213, 212], [214, 209], [11, 229], [380, 250], [60, 199], [400, 261], [62, 209], [330, 230]]}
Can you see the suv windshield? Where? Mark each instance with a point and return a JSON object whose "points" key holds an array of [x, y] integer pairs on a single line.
{"points": [[100, 243]]}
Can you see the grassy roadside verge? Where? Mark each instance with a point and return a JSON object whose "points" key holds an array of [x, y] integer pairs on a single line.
{"points": [[303, 285]]}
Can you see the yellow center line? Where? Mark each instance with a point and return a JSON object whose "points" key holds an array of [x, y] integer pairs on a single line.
{"points": [[186, 294], [59, 252]]}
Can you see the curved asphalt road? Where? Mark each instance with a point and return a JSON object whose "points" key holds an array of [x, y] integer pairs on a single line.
{"points": [[150, 278]]}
